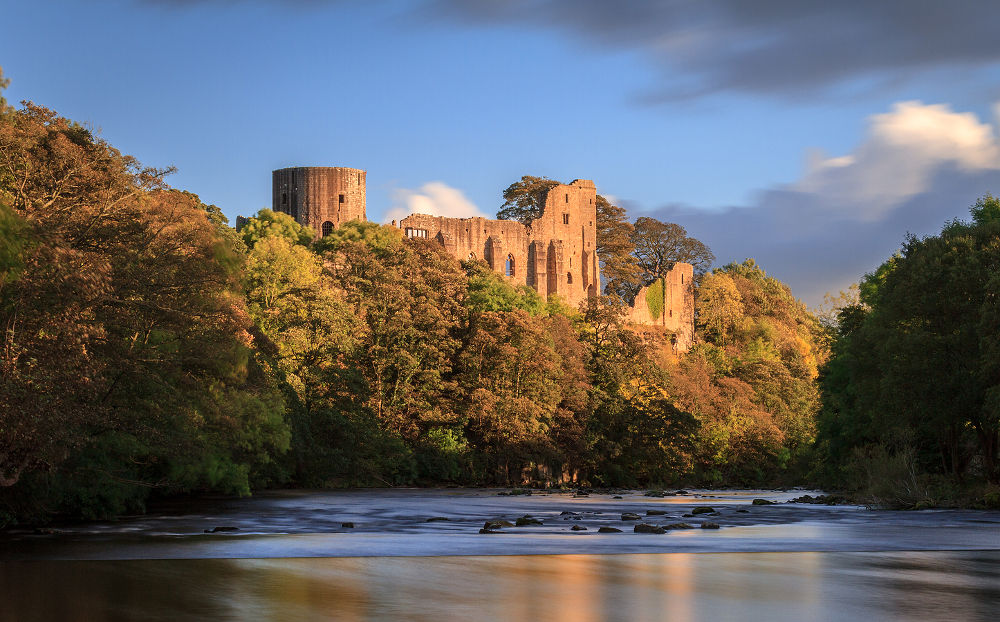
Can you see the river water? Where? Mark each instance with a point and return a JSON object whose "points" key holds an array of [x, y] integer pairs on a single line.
{"points": [[289, 556]]}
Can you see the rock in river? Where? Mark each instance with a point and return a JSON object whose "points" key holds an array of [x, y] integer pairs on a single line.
{"points": [[679, 526], [630, 516], [497, 524], [578, 528], [702, 510], [710, 525], [646, 528], [609, 530]]}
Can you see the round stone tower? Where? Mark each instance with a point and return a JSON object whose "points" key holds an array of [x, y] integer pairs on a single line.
{"points": [[320, 197]]}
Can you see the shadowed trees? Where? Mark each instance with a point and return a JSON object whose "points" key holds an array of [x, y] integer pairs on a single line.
{"points": [[125, 364], [915, 368]]}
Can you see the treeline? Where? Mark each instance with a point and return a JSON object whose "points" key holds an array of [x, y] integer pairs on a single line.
{"points": [[911, 411], [150, 349]]}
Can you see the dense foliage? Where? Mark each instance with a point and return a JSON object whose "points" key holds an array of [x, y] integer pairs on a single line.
{"points": [[912, 393], [150, 349]]}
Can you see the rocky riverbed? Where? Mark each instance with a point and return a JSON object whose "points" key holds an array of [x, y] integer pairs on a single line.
{"points": [[406, 522]]}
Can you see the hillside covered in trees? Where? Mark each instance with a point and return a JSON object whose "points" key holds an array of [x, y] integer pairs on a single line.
{"points": [[150, 349]]}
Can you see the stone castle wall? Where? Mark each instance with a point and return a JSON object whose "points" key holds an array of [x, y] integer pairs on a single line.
{"points": [[319, 197], [555, 254], [669, 304]]}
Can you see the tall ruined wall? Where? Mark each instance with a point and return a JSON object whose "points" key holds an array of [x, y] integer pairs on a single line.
{"points": [[319, 195], [556, 254], [569, 221], [670, 304]]}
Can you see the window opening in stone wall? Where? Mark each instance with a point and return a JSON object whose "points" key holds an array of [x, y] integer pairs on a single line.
{"points": [[682, 279], [567, 198], [341, 199], [415, 233], [327, 228], [569, 278], [472, 256], [359, 178], [284, 198], [510, 265], [565, 219]]}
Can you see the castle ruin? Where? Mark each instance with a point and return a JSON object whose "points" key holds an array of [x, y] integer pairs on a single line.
{"points": [[555, 253], [319, 197]]}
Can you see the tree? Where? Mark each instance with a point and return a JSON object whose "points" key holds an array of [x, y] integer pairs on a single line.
{"points": [[4, 83], [524, 200], [916, 363], [619, 266], [125, 363], [267, 223], [660, 245]]}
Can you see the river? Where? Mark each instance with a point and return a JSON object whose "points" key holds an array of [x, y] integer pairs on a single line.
{"points": [[294, 556]]}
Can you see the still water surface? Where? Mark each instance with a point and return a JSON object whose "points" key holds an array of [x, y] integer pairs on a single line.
{"points": [[292, 560]]}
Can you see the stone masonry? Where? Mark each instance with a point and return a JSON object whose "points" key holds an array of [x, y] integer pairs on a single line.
{"points": [[675, 305], [555, 254], [320, 197]]}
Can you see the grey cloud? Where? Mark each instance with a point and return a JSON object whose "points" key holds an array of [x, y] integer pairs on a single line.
{"points": [[770, 46], [807, 243]]}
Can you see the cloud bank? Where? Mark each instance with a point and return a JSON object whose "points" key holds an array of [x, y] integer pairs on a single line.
{"points": [[765, 46], [917, 167], [435, 198]]}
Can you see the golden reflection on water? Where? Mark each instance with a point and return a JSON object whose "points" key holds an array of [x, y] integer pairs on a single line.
{"points": [[578, 588]]}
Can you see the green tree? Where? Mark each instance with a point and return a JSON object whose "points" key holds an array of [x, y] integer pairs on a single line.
{"points": [[488, 291], [524, 200], [915, 364], [269, 224]]}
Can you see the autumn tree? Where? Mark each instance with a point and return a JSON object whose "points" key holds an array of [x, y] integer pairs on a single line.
{"points": [[125, 365], [4, 83], [660, 245], [619, 266]]}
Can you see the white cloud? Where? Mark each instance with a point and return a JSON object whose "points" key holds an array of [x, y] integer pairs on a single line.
{"points": [[916, 167], [435, 198], [898, 157]]}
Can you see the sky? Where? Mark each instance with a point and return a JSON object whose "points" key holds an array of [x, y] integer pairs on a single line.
{"points": [[811, 136]]}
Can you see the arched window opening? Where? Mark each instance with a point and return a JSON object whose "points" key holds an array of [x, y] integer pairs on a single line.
{"points": [[327, 228], [569, 278], [472, 256], [510, 265]]}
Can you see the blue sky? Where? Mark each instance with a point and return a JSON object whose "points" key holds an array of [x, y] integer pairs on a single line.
{"points": [[811, 136]]}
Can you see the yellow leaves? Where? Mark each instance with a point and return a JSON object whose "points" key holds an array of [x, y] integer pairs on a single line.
{"points": [[719, 305]]}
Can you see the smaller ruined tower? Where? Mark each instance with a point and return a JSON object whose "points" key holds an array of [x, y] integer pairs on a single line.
{"points": [[320, 197]]}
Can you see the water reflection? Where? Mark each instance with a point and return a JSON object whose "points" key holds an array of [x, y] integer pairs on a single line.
{"points": [[577, 588]]}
